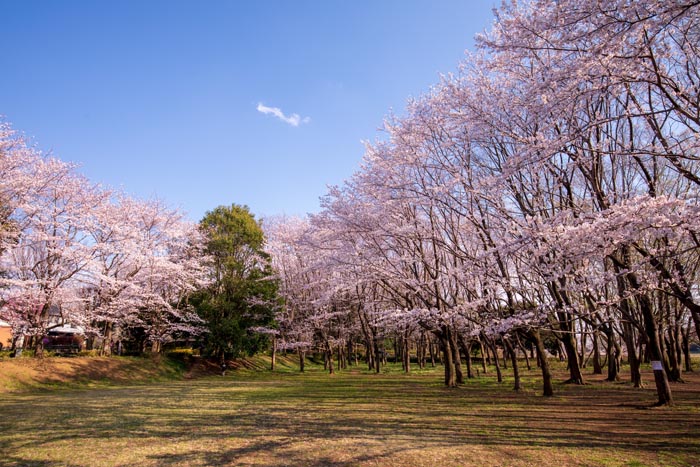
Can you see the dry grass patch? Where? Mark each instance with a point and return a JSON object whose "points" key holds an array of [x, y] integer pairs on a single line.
{"points": [[360, 419], [32, 373]]}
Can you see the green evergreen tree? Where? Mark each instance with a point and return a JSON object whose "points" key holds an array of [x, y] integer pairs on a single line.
{"points": [[243, 293]]}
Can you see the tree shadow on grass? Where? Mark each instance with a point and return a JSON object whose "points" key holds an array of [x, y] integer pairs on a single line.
{"points": [[244, 421]]}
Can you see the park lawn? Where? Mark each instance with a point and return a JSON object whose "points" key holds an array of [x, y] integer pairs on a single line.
{"points": [[354, 418]]}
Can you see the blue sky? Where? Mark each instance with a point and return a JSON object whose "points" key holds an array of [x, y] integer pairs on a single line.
{"points": [[176, 99]]}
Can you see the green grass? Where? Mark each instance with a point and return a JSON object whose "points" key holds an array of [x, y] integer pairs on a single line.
{"points": [[255, 417]]}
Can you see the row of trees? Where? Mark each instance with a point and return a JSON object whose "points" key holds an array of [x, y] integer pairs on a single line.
{"points": [[549, 186], [122, 269], [73, 252]]}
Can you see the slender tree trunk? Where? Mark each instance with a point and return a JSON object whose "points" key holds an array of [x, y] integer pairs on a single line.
{"points": [[406, 353], [396, 350], [377, 357], [484, 355], [491, 343], [522, 347], [420, 350], [613, 352], [674, 365], [660, 378], [632, 358], [582, 349], [575, 375], [466, 349], [597, 367], [350, 351], [329, 358], [456, 358], [450, 378], [273, 358], [685, 332], [432, 352], [514, 363], [547, 387], [302, 360]]}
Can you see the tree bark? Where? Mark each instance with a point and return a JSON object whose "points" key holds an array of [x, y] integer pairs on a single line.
{"points": [[686, 348], [450, 378], [456, 358], [273, 358], [466, 348], [484, 354], [613, 352], [632, 358], [597, 367], [547, 388], [492, 345], [514, 363], [662, 387]]}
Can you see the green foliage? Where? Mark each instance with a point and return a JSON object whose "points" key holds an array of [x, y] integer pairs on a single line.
{"points": [[243, 294]]}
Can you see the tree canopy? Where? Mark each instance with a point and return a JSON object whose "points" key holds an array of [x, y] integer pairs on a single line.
{"points": [[242, 294]]}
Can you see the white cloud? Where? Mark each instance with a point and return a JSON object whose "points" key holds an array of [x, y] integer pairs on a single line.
{"points": [[294, 119]]}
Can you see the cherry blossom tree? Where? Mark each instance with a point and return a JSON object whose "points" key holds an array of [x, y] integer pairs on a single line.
{"points": [[73, 252]]}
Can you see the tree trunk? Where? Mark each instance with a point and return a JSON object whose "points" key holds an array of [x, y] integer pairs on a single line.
{"points": [[491, 343], [685, 332], [432, 352], [106, 348], [350, 350], [663, 389], [329, 359], [597, 367], [456, 358], [582, 349], [613, 352], [466, 349], [674, 363], [484, 354], [450, 378], [575, 375], [396, 350], [650, 328], [632, 358], [377, 357], [302, 360], [514, 363], [273, 358], [420, 350], [547, 388], [522, 347], [406, 353]]}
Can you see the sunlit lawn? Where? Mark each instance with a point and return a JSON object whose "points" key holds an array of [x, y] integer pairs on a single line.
{"points": [[352, 418]]}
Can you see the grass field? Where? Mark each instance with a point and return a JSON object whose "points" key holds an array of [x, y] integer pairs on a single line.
{"points": [[353, 418]]}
